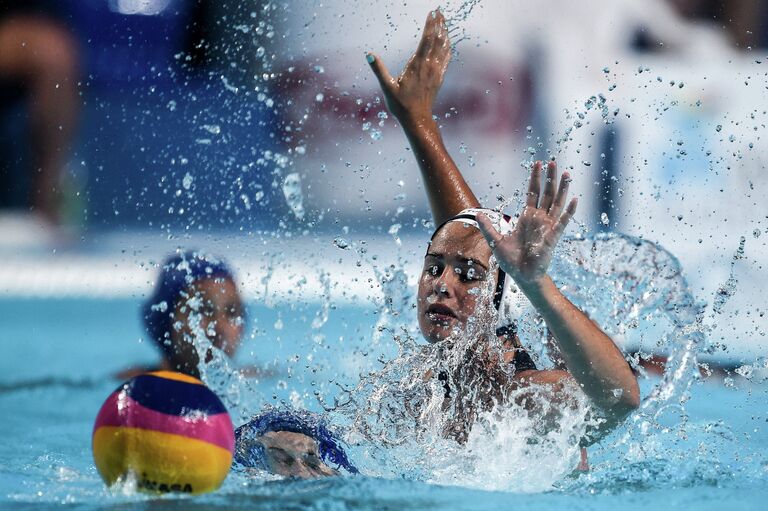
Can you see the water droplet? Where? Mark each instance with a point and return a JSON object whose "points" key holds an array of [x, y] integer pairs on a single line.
{"points": [[293, 194], [340, 242]]}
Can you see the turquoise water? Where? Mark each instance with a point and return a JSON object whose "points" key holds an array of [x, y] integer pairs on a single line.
{"points": [[60, 355]]}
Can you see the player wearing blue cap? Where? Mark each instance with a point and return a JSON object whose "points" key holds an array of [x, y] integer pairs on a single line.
{"points": [[291, 443], [195, 295]]}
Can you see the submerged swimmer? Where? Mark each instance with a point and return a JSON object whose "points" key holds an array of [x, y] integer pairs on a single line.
{"points": [[297, 444], [458, 261], [195, 295]]}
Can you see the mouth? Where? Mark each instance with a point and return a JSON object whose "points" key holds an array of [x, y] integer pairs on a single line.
{"points": [[440, 313]]}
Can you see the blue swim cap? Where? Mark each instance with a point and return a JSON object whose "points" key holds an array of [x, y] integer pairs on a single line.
{"points": [[249, 452], [177, 273]]}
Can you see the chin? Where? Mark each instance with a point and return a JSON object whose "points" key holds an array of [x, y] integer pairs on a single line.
{"points": [[438, 333]]}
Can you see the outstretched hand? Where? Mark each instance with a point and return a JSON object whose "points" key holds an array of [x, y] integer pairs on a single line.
{"points": [[410, 96], [526, 252]]}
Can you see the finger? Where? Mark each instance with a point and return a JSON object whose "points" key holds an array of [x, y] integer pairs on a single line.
{"points": [[386, 81], [534, 187], [549, 187], [438, 36], [438, 55], [441, 50], [491, 235], [566, 217], [562, 194], [442, 28], [427, 37]]}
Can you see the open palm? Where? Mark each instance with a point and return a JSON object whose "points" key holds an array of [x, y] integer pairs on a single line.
{"points": [[410, 96], [526, 252]]}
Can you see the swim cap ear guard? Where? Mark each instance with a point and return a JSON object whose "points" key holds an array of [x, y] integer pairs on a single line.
{"points": [[249, 452], [507, 298]]}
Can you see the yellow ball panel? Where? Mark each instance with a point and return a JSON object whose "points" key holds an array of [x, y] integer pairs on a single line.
{"points": [[161, 461], [172, 375]]}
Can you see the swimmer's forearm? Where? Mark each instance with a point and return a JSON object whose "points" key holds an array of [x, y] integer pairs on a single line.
{"points": [[447, 191], [592, 358]]}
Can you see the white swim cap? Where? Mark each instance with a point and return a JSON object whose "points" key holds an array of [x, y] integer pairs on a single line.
{"points": [[508, 299]]}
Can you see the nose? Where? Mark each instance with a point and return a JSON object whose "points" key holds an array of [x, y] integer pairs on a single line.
{"points": [[443, 285]]}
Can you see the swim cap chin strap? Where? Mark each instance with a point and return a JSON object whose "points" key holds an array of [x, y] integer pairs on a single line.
{"points": [[508, 299]]}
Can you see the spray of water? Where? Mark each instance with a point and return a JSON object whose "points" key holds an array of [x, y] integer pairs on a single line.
{"points": [[451, 413]]}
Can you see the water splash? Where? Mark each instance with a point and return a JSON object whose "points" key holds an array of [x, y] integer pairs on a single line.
{"points": [[454, 19], [728, 288], [294, 196], [433, 413], [637, 292]]}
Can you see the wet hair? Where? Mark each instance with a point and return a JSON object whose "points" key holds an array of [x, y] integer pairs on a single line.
{"points": [[250, 453], [177, 273]]}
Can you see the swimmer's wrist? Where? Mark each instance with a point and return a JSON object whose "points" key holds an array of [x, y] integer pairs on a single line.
{"points": [[419, 123], [534, 288]]}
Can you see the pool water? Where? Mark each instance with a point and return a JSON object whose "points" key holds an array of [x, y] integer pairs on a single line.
{"points": [[61, 355]]}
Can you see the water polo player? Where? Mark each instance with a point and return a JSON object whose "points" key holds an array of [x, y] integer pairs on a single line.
{"points": [[195, 298], [457, 260], [294, 443]]}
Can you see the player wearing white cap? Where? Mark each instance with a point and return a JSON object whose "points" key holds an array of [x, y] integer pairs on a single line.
{"points": [[458, 258]]}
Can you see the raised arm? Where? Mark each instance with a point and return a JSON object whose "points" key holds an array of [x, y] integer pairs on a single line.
{"points": [[590, 355], [409, 98]]}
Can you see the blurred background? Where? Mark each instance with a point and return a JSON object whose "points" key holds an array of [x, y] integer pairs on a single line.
{"points": [[130, 128]]}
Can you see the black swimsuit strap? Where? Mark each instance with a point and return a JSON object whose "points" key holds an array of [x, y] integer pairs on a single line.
{"points": [[523, 361]]}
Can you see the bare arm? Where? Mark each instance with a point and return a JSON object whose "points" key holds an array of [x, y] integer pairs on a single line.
{"points": [[409, 98], [591, 357]]}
